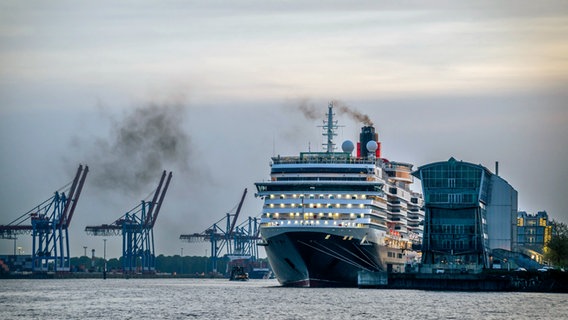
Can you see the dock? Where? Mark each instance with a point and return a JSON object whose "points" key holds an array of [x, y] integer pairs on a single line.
{"points": [[529, 281]]}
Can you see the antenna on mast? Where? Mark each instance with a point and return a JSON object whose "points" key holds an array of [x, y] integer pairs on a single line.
{"points": [[329, 127]]}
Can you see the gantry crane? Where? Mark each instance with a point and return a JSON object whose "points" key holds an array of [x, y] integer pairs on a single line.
{"points": [[137, 230], [49, 223], [235, 240]]}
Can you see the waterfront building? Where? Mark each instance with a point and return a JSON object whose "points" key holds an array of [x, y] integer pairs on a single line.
{"points": [[468, 212], [534, 231]]}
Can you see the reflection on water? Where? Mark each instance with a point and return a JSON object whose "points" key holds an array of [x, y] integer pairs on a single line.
{"points": [[257, 299]]}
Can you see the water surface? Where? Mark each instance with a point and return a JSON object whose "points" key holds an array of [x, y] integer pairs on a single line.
{"points": [[258, 299]]}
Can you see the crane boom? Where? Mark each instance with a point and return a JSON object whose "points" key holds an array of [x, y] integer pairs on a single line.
{"points": [[161, 200], [237, 212], [70, 196], [75, 199], [154, 199]]}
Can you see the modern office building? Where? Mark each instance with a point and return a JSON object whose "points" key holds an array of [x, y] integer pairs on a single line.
{"points": [[468, 212], [534, 231]]}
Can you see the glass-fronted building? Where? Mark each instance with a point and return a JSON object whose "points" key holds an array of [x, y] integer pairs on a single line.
{"points": [[534, 231], [461, 223]]}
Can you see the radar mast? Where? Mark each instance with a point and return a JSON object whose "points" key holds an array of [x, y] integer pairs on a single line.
{"points": [[329, 128]]}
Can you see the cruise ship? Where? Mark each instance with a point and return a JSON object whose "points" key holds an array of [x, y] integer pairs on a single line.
{"points": [[327, 216]]}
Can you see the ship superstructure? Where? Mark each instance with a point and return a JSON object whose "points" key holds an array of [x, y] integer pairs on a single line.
{"points": [[328, 215]]}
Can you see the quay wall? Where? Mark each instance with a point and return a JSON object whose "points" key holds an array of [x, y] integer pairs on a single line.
{"points": [[550, 281]]}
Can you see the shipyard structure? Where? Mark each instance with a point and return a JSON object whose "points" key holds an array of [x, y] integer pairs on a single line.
{"points": [[470, 212]]}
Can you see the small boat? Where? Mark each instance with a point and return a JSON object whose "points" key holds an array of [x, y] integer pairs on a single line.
{"points": [[238, 274]]}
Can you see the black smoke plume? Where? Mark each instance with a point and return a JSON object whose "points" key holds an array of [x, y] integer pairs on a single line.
{"points": [[142, 143], [310, 111], [352, 112]]}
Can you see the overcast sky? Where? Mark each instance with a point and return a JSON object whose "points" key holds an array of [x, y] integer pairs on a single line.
{"points": [[213, 90]]}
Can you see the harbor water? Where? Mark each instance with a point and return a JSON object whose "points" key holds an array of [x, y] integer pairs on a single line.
{"points": [[258, 299]]}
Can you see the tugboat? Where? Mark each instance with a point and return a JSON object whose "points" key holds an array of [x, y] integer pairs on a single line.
{"points": [[238, 274]]}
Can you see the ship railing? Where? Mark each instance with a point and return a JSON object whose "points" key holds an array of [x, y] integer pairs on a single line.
{"points": [[356, 223], [298, 160], [452, 268], [353, 218]]}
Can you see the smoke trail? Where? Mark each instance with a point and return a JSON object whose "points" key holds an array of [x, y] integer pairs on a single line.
{"points": [[352, 112], [142, 144], [309, 110]]}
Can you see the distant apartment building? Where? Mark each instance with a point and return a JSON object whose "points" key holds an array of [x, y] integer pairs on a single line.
{"points": [[468, 212], [533, 232]]}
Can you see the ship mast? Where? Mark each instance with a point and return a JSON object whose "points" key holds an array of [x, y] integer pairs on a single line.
{"points": [[329, 127]]}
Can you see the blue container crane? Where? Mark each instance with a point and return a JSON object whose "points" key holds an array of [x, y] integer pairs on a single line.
{"points": [[234, 241], [48, 224], [137, 230]]}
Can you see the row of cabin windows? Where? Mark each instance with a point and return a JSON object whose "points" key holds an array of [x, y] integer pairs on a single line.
{"points": [[318, 205], [391, 254], [320, 196]]}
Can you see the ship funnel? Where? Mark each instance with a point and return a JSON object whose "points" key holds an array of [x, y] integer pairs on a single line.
{"points": [[367, 135]]}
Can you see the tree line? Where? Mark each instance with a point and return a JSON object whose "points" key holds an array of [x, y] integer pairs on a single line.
{"points": [[556, 249], [166, 264]]}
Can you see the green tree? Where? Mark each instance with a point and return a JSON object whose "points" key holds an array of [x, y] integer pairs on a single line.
{"points": [[556, 250]]}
